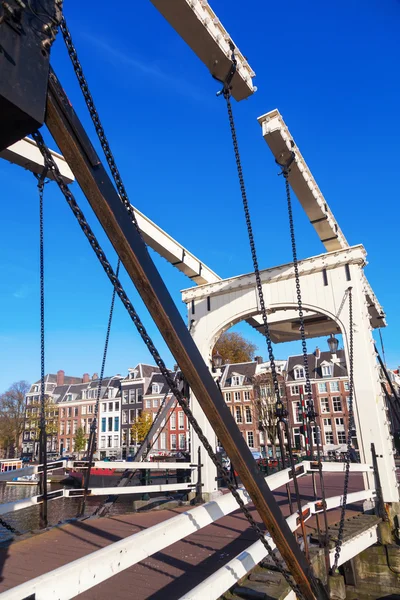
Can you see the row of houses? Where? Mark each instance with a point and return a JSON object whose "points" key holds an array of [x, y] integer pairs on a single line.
{"points": [[246, 387]]}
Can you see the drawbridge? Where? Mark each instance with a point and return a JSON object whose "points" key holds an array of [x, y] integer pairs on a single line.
{"points": [[321, 295]]}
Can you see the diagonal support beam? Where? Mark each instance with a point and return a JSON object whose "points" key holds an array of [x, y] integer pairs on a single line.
{"points": [[73, 142]]}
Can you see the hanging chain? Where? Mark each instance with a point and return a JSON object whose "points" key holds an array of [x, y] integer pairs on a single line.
{"points": [[93, 425], [50, 163], [339, 541], [226, 92], [43, 436], [96, 121]]}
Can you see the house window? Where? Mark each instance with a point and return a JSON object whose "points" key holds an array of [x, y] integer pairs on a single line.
{"points": [[83, 410], [339, 422], [68, 444], [182, 441], [148, 404], [181, 420], [341, 437], [155, 389], [103, 424], [155, 443], [296, 437], [334, 385], [62, 428], [299, 373], [132, 396], [238, 414], [246, 395], [68, 427], [89, 423], [132, 416], [326, 371], [346, 386], [322, 388], [173, 420], [163, 441], [173, 441], [236, 396], [90, 409], [235, 380], [296, 409], [116, 423], [109, 441], [139, 395], [74, 427], [329, 437], [155, 403], [250, 439], [76, 410], [227, 397], [337, 404], [328, 424], [125, 396], [294, 390], [116, 407], [35, 388], [110, 420], [110, 406], [124, 417], [324, 405], [248, 415], [69, 411], [62, 413]]}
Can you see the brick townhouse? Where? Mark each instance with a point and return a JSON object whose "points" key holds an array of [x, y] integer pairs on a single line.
{"points": [[173, 435], [244, 386], [330, 389], [55, 387], [132, 391]]}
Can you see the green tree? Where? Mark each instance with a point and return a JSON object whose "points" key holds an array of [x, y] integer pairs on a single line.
{"points": [[141, 426], [79, 440], [33, 416], [234, 348], [12, 416]]}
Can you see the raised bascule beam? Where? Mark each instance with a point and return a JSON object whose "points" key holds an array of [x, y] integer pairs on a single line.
{"points": [[199, 26], [281, 143]]}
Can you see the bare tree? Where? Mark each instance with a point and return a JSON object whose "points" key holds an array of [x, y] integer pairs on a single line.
{"points": [[264, 408], [12, 415]]}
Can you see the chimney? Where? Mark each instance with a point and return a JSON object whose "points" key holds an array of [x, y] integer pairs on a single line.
{"points": [[258, 360], [95, 376], [60, 377], [317, 353], [86, 378]]}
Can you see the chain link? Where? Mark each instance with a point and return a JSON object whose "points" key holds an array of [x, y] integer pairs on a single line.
{"points": [[9, 527], [339, 541], [96, 122], [50, 163]]}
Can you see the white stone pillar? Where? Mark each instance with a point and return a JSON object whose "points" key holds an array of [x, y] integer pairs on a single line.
{"points": [[370, 413]]}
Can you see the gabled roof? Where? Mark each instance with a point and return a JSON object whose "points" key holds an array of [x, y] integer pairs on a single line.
{"points": [[314, 365], [246, 369]]}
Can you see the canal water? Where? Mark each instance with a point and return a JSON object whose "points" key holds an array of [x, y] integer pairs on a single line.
{"points": [[59, 510]]}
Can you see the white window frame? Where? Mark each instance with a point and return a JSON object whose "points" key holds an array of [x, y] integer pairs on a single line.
{"points": [[346, 386], [337, 399], [326, 370], [322, 387], [172, 440], [325, 401], [248, 417], [238, 412], [298, 372], [148, 403], [228, 397], [293, 389], [332, 385], [246, 395], [329, 434], [237, 397], [248, 435], [181, 420], [172, 422]]}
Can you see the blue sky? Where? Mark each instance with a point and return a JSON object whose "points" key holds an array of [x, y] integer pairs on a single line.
{"points": [[332, 71]]}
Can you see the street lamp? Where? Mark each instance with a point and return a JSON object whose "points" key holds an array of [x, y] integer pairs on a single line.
{"points": [[333, 343], [217, 361]]}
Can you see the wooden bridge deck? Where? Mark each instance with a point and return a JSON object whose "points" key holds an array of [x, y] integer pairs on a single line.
{"points": [[167, 574]]}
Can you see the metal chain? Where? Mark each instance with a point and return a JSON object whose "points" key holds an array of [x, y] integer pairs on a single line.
{"points": [[50, 163], [311, 414], [227, 93], [96, 122], [93, 426], [43, 436], [339, 541], [9, 527]]}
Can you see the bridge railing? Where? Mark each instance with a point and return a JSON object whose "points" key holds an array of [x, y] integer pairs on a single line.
{"points": [[82, 574]]}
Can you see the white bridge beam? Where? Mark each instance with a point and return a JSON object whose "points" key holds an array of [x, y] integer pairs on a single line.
{"points": [[281, 143], [199, 26]]}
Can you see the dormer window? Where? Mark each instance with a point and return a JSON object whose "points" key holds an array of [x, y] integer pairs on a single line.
{"points": [[155, 388], [237, 380], [326, 370], [133, 374], [299, 373], [35, 388]]}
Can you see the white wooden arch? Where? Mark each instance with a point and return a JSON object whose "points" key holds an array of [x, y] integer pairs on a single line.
{"points": [[325, 279]]}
